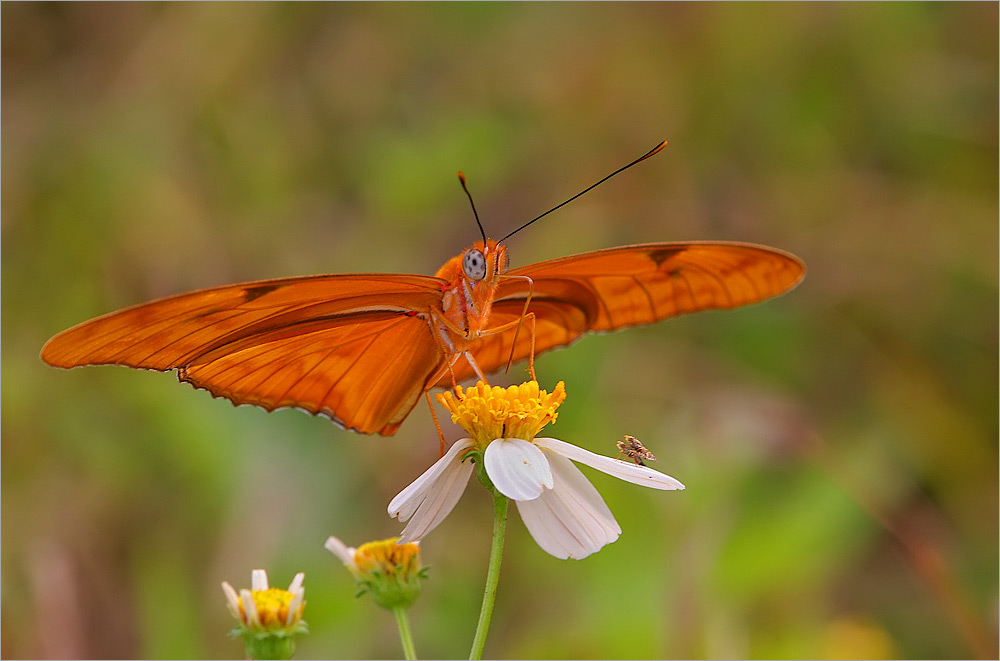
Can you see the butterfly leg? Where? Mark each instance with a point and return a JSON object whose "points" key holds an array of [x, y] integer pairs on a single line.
{"points": [[474, 366], [524, 315], [441, 337], [516, 324], [530, 317], [437, 325], [437, 425], [531, 355], [451, 371]]}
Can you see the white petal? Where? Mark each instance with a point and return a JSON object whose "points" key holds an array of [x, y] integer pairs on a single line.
{"points": [[258, 580], [232, 599], [343, 552], [249, 609], [298, 596], [438, 503], [571, 520], [406, 501], [623, 470], [433, 495], [517, 468], [296, 584], [538, 520]]}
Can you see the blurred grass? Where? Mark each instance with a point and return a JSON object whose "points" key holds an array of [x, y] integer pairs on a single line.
{"points": [[839, 444]]}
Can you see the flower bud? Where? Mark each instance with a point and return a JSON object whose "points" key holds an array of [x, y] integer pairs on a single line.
{"points": [[390, 572]]}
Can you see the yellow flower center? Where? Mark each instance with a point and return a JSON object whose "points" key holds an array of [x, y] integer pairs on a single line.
{"points": [[272, 608], [387, 557], [489, 413]]}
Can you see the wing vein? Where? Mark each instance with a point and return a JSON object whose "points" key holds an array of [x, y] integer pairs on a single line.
{"points": [[649, 296], [354, 363]]}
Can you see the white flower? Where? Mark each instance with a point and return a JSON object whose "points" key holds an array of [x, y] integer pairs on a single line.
{"points": [[266, 610], [561, 509]]}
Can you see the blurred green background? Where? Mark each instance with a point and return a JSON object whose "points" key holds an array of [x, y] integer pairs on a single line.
{"points": [[839, 444]]}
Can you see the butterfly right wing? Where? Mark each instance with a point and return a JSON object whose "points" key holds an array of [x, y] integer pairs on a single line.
{"points": [[356, 347], [616, 288]]}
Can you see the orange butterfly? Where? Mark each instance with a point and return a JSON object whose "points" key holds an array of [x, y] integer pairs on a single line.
{"points": [[362, 348]]}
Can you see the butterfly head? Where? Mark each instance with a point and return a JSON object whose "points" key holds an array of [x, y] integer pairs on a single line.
{"points": [[485, 260], [471, 281], [481, 264]]}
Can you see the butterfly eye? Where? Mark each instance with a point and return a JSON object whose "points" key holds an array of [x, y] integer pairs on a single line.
{"points": [[474, 264]]}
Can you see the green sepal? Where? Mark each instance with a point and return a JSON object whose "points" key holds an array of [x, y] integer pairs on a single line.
{"points": [[395, 591], [265, 644]]}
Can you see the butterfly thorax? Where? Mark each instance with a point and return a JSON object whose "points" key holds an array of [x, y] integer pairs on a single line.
{"points": [[471, 282]]}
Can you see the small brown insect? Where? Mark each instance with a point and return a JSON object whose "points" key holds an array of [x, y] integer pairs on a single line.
{"points": [[633, 448]]}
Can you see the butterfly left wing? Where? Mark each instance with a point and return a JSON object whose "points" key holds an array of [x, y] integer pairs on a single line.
{"points": [[617, 288], [327, 344]]}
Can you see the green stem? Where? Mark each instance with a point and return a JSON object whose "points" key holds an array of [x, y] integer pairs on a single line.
{"points": [[403, 622], [492, 575]]}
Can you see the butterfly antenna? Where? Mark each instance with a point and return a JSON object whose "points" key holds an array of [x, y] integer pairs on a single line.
{"points": [[461, 178], [588, 188]]}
